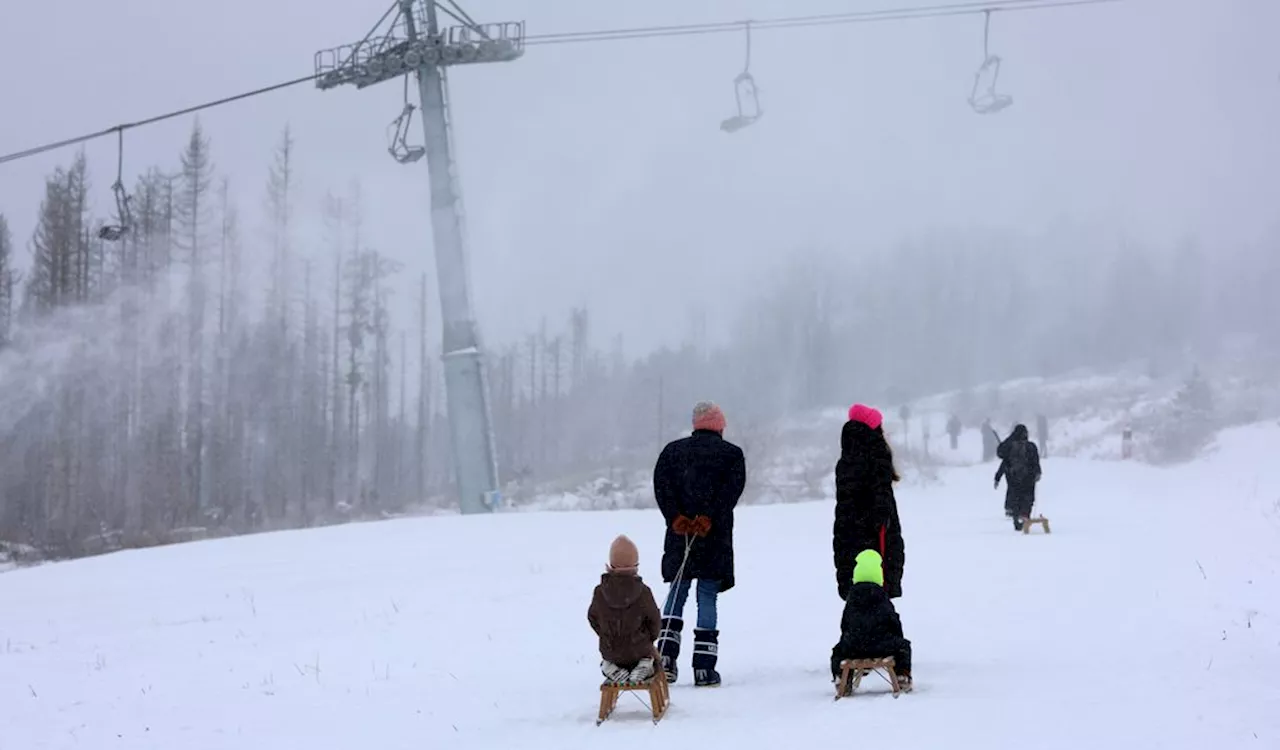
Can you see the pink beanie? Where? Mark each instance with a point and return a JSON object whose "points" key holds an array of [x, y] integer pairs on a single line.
{"points": [[707, 416], [866, 415]]}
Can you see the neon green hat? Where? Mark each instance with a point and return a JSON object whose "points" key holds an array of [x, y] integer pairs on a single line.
{"points": [[867, 568]]}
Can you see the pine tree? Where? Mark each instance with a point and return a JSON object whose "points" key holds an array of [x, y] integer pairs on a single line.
{"points": [[194, 216], [8, 279], [57, 244], [281, 373], [280, 183], [1190, 424]]}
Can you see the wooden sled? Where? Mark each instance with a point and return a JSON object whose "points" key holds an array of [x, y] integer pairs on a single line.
{"points": [[853, 670], [656, 686], [1028, 523]]}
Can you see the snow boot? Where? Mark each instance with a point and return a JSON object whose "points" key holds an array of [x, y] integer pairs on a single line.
{"points": [[706, 651], [669, 645], [642, 672], [613, 673], [1017, 523]]}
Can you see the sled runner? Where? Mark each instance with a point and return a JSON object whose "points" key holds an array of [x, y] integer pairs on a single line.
{"points": [[1028, 523], [853, 670], [659, 693]]}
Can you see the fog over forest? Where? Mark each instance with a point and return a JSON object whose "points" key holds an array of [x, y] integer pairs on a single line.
{"points": [[263, 350]]}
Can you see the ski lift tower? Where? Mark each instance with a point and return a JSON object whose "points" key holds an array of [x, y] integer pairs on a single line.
{"points": [[408, 40]]}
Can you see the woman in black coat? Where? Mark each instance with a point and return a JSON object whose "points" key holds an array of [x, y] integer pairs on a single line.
{"points": [[866, 515]]}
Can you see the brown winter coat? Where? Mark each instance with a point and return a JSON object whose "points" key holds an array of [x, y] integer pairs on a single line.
{"points": [[626, 617]]}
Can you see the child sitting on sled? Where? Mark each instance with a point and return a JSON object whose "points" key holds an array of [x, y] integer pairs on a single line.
{"points": [[870, 627], [625, 615]]}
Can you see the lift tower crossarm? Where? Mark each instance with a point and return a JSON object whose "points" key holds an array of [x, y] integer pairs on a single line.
{"points": [[414, 43]]}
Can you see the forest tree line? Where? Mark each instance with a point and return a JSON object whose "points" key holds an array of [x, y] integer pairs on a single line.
{"points": [[156, 390]]}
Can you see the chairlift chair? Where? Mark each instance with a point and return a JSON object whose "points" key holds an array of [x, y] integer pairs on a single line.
{"points": [[988, 101], [116, 232], [745, 94], [398, 133], [748, 100]]}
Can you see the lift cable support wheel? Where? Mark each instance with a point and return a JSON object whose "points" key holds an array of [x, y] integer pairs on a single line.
{"points": [[396, 51], [745, 94], [987, 101], [116, 232]]}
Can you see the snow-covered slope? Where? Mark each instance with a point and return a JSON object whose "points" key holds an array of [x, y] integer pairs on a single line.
{"points": [[1150, 618]]}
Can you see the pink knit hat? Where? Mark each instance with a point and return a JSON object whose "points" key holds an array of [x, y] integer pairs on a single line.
{"points": [[708, 416], [866, 415]]}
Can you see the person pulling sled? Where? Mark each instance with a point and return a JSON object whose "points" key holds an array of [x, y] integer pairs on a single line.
{"points": [[697, 482], [866, 510], [1020, 467]]}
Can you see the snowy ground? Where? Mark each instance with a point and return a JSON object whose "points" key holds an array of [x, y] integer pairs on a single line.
{"points": [[1150, 618]]}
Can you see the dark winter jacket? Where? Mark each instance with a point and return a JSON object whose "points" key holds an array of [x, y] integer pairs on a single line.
{"points": [[701, 475], [866, 515], [626, 617], [870, 628], [1019, 460]]}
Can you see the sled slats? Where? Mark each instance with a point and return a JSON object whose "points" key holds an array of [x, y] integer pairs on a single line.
{"points": [[656, 686], [1027, 524], [853, 670]]}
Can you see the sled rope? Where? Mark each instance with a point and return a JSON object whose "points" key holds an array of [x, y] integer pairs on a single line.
{"points": [[675, 582]]}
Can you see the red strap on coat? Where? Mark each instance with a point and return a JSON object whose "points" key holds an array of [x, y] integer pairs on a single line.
{"points": [[883, 530]]}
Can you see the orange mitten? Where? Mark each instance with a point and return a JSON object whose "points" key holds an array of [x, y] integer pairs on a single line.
{"points": [[700, 526], [681, 525]]}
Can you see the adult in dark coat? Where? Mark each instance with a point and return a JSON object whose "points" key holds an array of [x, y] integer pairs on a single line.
{"points": [[866, 513], [697, 482], [1020, 467]]}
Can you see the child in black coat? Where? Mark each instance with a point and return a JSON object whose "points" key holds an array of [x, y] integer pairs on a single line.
{"points": [[870, 627]]}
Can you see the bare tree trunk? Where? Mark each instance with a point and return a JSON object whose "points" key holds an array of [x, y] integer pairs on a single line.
{"points": [[424, 396], [335, 434]]}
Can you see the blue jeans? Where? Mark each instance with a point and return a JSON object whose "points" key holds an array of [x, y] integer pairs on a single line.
{"points": [[707, 593]]}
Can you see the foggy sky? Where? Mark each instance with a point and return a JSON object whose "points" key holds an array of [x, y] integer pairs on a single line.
{"points": [[596, 173]]}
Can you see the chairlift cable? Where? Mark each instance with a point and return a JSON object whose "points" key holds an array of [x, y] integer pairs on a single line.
{"points": [[36, 150], [899, 14], [968, 7]]}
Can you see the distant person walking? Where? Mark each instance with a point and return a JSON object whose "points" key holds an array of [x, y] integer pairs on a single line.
{"points": [[866, 512], [1020, 467], [953, 430], [1042, 434], [697, 482], [990, 441]]}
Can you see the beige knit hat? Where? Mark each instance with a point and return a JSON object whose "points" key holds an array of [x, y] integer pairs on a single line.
{"points": [[623, 556]]}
